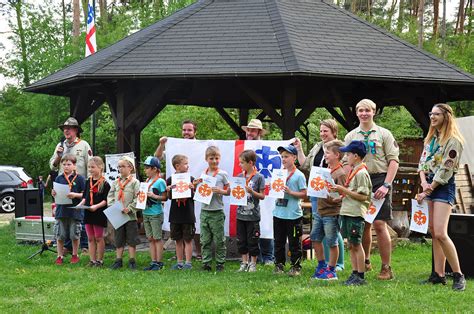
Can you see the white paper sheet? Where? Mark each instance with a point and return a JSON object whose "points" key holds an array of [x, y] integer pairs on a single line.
{"points": [[277, 183], [62, 190], [204, 189], [238, 194], [142, 195], [374, 209], [319, 179], [419, 217], [115, 215], [180, 185]]}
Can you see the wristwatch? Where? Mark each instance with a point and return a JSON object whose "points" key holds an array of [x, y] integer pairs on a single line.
{"points": [[387, 185]]}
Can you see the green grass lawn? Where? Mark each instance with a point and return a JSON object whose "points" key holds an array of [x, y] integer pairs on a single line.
{"points": [[40, 286]]}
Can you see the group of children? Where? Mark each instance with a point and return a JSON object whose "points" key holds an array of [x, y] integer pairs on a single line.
{"points": [[351, 204]]}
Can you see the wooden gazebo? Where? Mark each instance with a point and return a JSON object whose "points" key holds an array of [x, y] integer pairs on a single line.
{"points": [[279, 56]]}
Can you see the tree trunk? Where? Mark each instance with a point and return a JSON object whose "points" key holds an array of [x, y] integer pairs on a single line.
{"points": [[421, 9], [401, 15], [390, 14], [460, 18], [103, 11], [435, 18], [63, 4], [76, 25], [443, 31], [23, 49]]}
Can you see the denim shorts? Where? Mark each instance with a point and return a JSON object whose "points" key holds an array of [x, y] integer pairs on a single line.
{"points": [[445, 193], [325, 227]]}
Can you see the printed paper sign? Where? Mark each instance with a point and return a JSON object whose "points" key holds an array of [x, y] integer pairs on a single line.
{"points": [[142, 195], [374, 209], [180, 185], [115, 215], [319, 181], [62, 190], [277, 183], [111, 166], [238, 194], [419, 217], [204, 189]]}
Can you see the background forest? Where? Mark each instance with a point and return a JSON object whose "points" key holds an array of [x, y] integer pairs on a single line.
{"points": [[48, 36]]}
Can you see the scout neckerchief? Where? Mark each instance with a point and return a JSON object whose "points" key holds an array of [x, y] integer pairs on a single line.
{"points": [[368, 144], [337, 167], [121, 196], [70, 182], [151, 184], [247, 181], [434, 146], [69, 146], [353, 173], [215, 173], [92, 186]]}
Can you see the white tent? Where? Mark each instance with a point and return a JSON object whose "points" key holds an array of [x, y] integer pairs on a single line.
{"points": [[466, 126]]}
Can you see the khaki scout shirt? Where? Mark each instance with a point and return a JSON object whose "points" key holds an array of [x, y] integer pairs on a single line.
{"points": [[386, 148], [442, 160], [308, 163], [130, 193], [81, 150], [361, 184]]}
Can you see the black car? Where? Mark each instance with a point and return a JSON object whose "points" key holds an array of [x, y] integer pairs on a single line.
{"points": [[8, 183]]}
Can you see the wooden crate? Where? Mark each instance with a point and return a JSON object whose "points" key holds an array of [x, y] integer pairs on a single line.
{"points": [[464, 191]]}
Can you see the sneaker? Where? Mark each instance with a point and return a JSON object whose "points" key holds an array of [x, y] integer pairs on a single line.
{"points": [[132, 264], [385, 273], [252, 268], [152, 266], [434, 279], [91, 263], [74, 259], [99, 264], [243, 267], [339, 268], [117, 264], [220, 267], [177, 267], [199, 257], [268, 263], [459, 282], [319, 270], [356, 281], [187, 266], [350, 279], [328, 275], [279, 269], [294, 271], [368, 266], [59, 260], [206, 267]]}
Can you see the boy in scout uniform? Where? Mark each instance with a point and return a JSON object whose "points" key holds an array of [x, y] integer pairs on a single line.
{"points": [[72, 144], [382, 163]]}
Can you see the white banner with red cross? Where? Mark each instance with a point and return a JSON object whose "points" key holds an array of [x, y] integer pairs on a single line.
{"points": [[267, 160]]}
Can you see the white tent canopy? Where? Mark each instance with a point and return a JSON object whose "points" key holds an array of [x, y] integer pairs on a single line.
{"points": [[466, 126]]}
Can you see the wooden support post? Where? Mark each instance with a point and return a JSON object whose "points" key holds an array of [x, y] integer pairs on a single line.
{"points": [[338, 118], [289, 113], [419, 111], [240, 133]]}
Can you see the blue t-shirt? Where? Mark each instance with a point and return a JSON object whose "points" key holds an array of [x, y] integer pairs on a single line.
{"points": [[78, 186], [153, 207], [292, 210]]}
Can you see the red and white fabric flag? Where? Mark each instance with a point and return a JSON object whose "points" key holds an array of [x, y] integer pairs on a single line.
{"points": [[268, 159], [91, 46]]}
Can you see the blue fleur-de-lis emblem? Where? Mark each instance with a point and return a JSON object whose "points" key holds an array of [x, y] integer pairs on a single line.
{"points": [[265, 162], [90, 14]]}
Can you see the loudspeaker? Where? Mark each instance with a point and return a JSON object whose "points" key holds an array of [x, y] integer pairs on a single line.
{"points": [[461, 231], [27, 202]]}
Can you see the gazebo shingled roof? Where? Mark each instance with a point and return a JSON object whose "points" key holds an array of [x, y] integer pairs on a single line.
{"points": [[267, 54]]}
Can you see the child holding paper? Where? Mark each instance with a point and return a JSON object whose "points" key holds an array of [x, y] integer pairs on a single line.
{"points": [[287, 215], [125, 190], [248, 217], [95, 196], [181, 217], [327, 224], [153, 213], [356, 201], [69, 219], [212, 215]]}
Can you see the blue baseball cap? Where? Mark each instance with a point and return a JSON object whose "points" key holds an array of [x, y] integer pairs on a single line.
{"points": [[152, 162], [356, 147], [290, 148]]}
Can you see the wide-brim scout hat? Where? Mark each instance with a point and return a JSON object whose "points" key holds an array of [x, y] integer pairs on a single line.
{"points": [[255, 124], [71, 122]]}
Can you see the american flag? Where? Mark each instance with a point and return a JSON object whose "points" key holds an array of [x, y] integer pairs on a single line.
{"points": [[91, 45]]}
